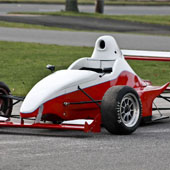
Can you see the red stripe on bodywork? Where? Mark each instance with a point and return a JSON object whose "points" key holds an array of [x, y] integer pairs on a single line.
{"points": [[147, 58]]}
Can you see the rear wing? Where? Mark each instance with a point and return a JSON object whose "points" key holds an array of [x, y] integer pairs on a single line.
{"points": [[146, 55]]}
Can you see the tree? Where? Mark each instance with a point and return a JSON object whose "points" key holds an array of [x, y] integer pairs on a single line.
{"points": [[99, 6], [71, 5]]}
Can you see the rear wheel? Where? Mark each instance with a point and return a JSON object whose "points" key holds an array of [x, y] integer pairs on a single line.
{"points": [[5, 103], [121, 110]]}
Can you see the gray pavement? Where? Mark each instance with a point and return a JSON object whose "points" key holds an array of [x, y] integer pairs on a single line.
{"points": [[88, 23], [148, 148], [110, 10], [28, 149], [128, 41]]}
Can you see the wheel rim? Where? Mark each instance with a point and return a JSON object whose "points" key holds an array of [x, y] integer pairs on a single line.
{"points": [[129, 110]]}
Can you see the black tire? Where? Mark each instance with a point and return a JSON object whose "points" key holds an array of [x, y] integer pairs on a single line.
{"points": [[121, 110], [5, 103]]}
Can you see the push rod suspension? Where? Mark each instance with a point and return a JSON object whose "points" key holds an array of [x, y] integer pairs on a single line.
{"points": [[164, 97], [12, 97], [83, 102], [94, 101]]}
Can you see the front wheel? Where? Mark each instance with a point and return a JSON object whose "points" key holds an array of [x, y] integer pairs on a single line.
{"points": [[121, 110], [6, 104]]}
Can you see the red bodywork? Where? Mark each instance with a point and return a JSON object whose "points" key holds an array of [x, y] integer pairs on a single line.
{"points": [[91, 110], [56, 106]]}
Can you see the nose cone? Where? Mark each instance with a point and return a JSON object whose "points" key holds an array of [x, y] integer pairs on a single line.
{"points": [[55, 85]]}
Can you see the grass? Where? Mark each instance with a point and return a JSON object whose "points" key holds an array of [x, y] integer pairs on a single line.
{"points": [[107, 2], [156, 71], [23, 64], [31, 26], [148, 19]]}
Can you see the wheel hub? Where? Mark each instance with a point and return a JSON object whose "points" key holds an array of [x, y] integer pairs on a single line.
{"points": [[129, 110]]}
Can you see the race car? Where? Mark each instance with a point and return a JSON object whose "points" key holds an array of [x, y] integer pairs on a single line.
{"points": [[101, 90]]}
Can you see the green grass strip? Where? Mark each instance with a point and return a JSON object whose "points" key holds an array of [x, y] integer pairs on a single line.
{"points": [[24, 64], [31, 26]]}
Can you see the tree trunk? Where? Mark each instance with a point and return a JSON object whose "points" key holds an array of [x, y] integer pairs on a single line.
{"points": [[99, 6], [71, 5]]}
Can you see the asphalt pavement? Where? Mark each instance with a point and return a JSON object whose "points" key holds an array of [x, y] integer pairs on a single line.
{"points": [[126, 41], [148, 148], [108, 9], [88, 23], [35, 149]]}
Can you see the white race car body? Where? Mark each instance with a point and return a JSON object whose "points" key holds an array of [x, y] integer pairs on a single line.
{"points": [[62, 95]]}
